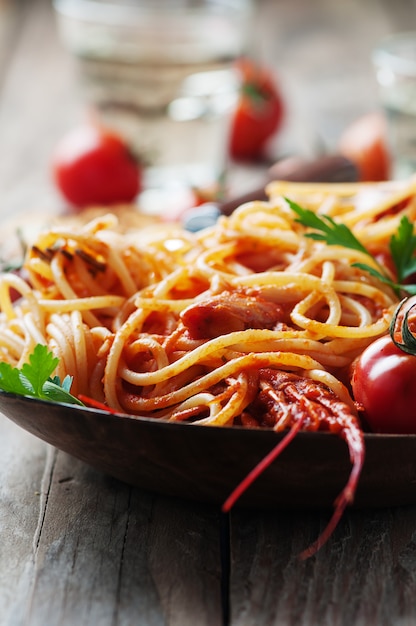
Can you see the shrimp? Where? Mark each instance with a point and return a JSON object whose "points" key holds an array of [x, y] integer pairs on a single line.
{"points": [[287, 401], [228, 312]]}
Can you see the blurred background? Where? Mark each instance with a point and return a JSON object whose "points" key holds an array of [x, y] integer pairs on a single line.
{"points": [[319, 54]]}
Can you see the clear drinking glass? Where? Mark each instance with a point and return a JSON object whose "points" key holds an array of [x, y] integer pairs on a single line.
{"points": [[162, 72], [395, 64]]}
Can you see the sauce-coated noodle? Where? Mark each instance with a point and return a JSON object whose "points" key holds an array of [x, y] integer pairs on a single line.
{"points": [[177, 326]]}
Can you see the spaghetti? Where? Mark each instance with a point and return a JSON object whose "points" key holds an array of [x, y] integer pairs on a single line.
{"points": [[173, 325], [247, 323]]}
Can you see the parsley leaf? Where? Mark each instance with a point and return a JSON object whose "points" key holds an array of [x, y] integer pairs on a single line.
{"points": [[34, 378], [41, 365], [328, 230], [10, 380], [402, 246]]}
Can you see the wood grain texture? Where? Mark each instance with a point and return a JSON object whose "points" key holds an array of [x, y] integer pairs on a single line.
{"points": [[365, 575], [22, 466], [77, 547], [104, 553], [39, 101]]}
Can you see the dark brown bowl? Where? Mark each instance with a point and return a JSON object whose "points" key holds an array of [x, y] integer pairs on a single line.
{"points": [[204, 463]]}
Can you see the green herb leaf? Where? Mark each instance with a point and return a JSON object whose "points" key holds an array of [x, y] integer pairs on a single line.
{"points": [[371, 270], [51, 391], [65, 384], [10, 380], [328, 230], [41, 365], [34, 378], [402, 246]]}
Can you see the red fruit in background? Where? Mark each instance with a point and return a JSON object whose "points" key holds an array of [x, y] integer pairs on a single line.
{"points": [[364, 142], [258, 115], [94, 166]]}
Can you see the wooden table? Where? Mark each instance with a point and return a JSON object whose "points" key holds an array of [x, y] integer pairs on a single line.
{"points": [[78, 547]]}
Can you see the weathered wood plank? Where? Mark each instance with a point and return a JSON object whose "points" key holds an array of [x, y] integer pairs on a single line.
{"points": [[74, 573], [180, 541], [106, 554], [79, 548], [22, 466], [10, 23], [39, 102], [365, 574]]}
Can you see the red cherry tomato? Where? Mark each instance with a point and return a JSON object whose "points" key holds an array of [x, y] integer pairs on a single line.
{"points": [[95, 166], [384, 384], [258, 114], [364, 142]]}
